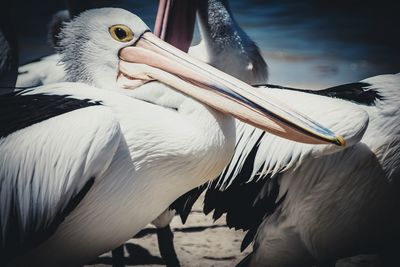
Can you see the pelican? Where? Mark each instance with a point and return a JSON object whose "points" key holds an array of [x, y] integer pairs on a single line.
{"points": [[231, 51], [250, 190], [50, 69], [303, 208], [220, 34], [70, 195], [225, 45]]}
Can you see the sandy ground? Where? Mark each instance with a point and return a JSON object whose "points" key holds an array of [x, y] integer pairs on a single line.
{"points": [[199, 242]]}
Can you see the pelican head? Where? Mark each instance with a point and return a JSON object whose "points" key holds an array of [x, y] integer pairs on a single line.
{"points": [[112, 48], [90, 44]]}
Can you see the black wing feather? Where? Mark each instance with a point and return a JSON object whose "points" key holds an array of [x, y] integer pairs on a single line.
{"points": [[13, 244], [18, 111], [244, 203], [184, 204], [359, 92]]}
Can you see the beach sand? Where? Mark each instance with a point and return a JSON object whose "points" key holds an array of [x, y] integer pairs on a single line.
{"points": [[198, 242]]}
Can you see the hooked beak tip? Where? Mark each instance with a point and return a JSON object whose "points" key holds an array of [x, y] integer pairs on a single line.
{"points": [[340, 141]]}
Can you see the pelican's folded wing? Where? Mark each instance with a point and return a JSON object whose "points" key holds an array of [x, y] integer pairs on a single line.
{"points": [[52, 149], [273, 154]]}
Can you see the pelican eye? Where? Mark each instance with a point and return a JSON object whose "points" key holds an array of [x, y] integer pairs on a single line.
{"points": [[121, 33]]}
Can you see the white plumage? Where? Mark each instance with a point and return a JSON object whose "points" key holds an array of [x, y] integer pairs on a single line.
{"points": [[276, 154], [129, 158]]}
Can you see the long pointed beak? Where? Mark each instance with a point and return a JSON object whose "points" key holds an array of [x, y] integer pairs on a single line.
{"points": [[153, 59]]}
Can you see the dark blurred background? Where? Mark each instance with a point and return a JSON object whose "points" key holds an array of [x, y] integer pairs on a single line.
{"points": [[310, 43]]}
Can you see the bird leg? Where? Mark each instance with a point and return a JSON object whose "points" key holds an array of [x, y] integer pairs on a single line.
{"points": [[118, 257], [165, 238]]}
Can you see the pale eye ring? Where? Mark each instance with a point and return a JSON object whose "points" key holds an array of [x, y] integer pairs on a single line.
{"points": [[121, 33]]}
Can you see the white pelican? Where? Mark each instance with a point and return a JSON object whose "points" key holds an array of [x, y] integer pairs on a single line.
{"points": [[220, 34], [49, 69], [303, 207], [247, 199], [102, 165]]}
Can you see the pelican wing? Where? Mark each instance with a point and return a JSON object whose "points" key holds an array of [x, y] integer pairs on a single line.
{"points": [[273, 154], [52, 149]]}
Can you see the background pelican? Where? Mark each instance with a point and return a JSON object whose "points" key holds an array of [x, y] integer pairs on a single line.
{"points": [[225, 45], [304, 209], [259, 197]]}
